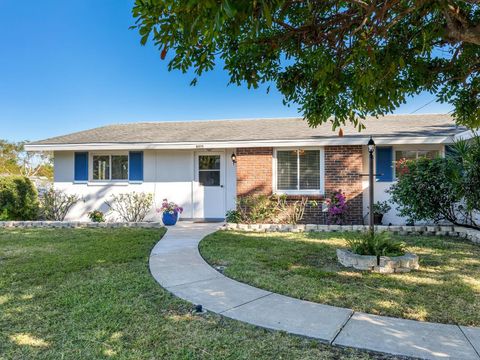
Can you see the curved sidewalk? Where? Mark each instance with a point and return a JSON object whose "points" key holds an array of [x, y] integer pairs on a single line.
{"points": [[177, 265]]}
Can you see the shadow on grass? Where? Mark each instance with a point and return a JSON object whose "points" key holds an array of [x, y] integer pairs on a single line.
{"points": [[446, 289], [91, 296]]}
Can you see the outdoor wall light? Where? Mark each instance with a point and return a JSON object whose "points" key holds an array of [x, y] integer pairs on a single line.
{"points": [[234, 158]]}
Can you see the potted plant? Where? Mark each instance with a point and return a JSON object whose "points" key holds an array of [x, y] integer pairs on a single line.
{"points": [[170, 212], [379, 209]]}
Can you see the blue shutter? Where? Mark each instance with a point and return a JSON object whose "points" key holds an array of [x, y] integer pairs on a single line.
{"points": [[135, 166], [449, 151], [81, 166], [384, 163]]}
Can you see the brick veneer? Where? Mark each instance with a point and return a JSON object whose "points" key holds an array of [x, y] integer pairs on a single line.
{"points": [[254, 171], [343, 164]]}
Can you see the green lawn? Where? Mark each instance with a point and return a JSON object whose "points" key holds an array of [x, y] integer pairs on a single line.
{"points": [[304, 265], [88, 294]]}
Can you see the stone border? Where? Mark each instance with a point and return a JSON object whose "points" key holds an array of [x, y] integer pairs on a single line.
{"points": [[438, 230], [383, 265], [77, 224]]}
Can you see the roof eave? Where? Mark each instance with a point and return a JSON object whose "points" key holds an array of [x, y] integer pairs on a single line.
{"points": [[357, 140]]}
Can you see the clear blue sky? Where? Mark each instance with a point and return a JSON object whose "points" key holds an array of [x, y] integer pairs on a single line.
{"points": [[72, 65]]}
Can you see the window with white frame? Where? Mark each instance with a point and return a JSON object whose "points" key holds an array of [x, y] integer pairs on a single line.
{"points": [[404, 155], [110, 167], [298, 170]]}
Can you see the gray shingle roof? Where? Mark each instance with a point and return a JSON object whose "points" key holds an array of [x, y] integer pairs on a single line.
{"points": [[259, 129]]}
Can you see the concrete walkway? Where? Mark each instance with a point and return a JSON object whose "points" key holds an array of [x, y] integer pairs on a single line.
{"points": [[177, 265]]}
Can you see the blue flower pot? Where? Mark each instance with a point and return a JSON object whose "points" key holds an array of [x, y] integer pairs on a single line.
{"points": [[169, 219]]}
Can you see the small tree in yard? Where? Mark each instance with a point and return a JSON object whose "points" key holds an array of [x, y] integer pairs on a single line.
{"points": [[131, 207], [55, 204], [432, 190], [338, 60]]}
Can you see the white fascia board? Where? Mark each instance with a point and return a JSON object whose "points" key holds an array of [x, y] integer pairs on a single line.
{"points": [[464, 135], [238, 144]]}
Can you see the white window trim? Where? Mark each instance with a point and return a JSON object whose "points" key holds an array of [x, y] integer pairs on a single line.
{"points": [[440, 149], [313, 192], [92, 181]]}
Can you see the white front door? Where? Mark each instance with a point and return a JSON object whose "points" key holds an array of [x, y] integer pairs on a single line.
{"points": [[210, 190]]}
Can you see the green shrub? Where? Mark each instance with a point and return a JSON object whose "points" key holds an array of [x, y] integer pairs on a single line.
{"points": [[96, 216], [274, 209], [233, 216], [381, 208], [131, 207], [441, 189], [376, 244], [18, 199], [55, 204], [426, 190]]}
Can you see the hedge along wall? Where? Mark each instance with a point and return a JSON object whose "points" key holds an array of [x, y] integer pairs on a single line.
{"points": [[433, 230]]}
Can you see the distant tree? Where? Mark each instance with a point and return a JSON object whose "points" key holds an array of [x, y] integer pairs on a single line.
{"points": [[8, 158], [338, 60], [14, 160]]}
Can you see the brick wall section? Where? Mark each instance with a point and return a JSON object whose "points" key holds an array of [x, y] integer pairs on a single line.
{"points": [[254, 171], [343, 164]]}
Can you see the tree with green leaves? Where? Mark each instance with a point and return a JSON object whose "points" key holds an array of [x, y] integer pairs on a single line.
{"points": [[339, 61]]}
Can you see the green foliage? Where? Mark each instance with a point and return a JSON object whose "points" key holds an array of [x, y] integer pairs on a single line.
{"points": [[376, 244], [96, 216], [233, 216], [441, 189], [381, 208], [131, 207], [18, 199], [339, 61], [55, 204], [425, 191], [276, 209], [467, 156]]}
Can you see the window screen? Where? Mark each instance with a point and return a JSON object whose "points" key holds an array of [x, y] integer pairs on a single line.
{"points": [[298, 170], [287, 170], [309, 170], [119, 167], [110, 167], [101, 167]]}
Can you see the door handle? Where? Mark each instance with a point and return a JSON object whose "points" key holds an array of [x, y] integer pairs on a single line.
{"points": [[221, 186]]}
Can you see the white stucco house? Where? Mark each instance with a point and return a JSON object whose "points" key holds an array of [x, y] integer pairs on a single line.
{"points": [[205, 165]]}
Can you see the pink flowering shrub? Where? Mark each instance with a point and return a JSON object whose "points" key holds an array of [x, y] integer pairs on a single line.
{"points": [[170, 207], [337, 208]]}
